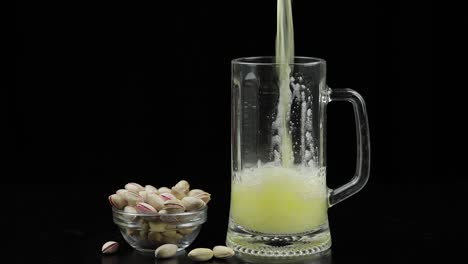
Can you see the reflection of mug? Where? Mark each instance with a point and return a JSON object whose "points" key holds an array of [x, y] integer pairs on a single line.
{"points": [[279, 197], [324, 257]]}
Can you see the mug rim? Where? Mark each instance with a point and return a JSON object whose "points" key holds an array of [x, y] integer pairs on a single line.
{"points": [[257, 60]]}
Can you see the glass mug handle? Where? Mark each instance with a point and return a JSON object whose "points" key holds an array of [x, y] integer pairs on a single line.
{"points": [[363, 145]]}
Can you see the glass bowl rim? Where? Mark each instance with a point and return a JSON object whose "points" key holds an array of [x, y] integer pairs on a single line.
{"points": [[122, 212]]}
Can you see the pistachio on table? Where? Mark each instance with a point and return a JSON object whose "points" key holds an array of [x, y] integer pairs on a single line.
{"points": [[223, 252], [166, 251], [201, 254], [110, 247]]}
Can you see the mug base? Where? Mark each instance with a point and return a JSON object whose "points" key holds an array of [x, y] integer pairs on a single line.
{"points": [[251, 244]]}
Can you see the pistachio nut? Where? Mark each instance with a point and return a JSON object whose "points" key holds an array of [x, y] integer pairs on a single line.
{"points": [[154, 236], [164, 190], [166, 251], [167, 196], [201, 254], [157, 226], [194, 192], [173, 206], [132, 198], [143, 234], [110, 247], [155, 200], [172, 235], [223, 252], [131, 232], [117, 201], [183, 185], [171, 217], [186, 231], [178, 193], [168, 240], [192, 203], [142, 194], [121, 191], [134, 187], [151, 189], [145, 208], [142, 224], [206, 197], [130, 209], [169, 233]]}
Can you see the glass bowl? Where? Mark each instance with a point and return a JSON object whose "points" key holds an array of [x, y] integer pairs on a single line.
{"points": [[146, 232]]}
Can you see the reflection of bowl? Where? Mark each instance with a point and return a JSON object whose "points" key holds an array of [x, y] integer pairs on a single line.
{"points": [[146, 232]]}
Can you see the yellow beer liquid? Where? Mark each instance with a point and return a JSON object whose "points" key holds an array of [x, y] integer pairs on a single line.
{"points": [[279, 200]]}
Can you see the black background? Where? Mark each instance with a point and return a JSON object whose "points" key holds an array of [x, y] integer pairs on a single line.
{"points": [[110, 93]]}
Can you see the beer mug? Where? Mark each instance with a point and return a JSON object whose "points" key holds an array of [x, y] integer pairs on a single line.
{"points": [[279, 196]]}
